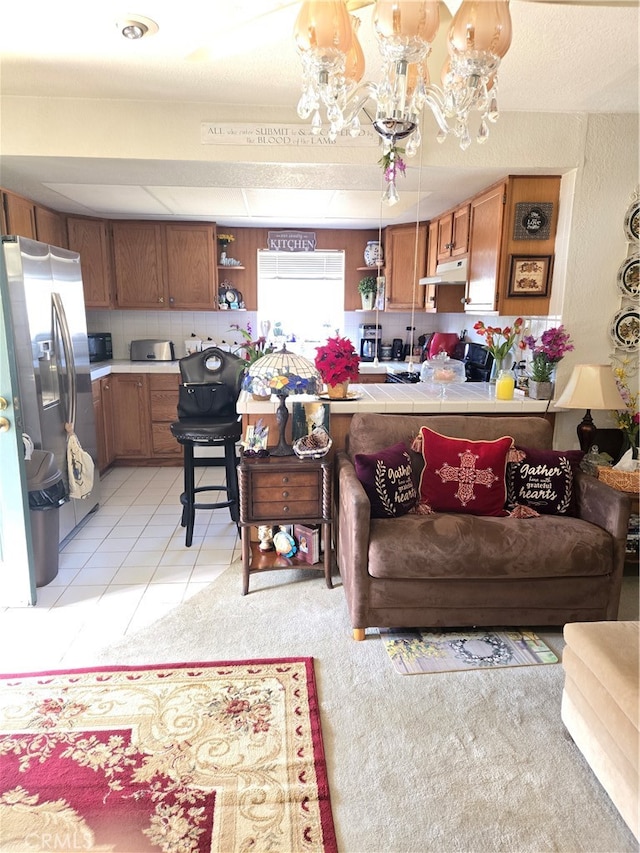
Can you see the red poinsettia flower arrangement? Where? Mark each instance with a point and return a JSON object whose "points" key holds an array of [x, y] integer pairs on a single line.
{"points": [[337, 361]]}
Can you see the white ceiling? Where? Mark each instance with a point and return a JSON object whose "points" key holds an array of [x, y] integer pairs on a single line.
{"points": [[564, 58]]}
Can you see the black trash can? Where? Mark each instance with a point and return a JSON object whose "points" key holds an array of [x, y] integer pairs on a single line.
{"points": [[47, 493]]}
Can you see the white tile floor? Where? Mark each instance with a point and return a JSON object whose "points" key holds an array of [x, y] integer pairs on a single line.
{"points": [[124, 568]]}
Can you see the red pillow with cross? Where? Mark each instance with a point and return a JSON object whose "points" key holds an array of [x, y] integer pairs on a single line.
{"points": [[464, 476]]}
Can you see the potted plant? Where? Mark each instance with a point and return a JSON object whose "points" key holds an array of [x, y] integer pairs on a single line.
{"points": [[251, 351], [367, 288], [553, 346], [337, 363]]}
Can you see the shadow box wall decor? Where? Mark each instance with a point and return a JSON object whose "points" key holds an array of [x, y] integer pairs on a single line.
{"points": [[529, 275], [533, 220]]}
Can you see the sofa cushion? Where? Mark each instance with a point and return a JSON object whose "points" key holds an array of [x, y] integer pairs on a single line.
{"points": [[452, 546], [542, 480], [386, 477], [463, 476]]}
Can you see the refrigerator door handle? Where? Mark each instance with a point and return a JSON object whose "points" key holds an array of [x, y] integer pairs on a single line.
{"points": [[67, 345]]}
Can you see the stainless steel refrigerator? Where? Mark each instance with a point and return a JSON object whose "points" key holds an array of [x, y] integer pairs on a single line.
{"points": [[49, 328]]}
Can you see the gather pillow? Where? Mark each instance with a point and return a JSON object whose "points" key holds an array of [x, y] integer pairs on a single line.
{"points": [[386, 478], [542, 480], [465, 476]]}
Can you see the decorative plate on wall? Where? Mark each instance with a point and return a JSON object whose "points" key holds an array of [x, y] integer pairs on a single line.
{"points": [[632, 221], [625, 329], [629, 276]]}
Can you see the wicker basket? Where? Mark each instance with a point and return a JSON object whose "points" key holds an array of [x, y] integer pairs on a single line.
{"points": [[623, 481]]}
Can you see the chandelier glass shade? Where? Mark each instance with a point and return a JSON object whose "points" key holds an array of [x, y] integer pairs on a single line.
{"points": [[334, 93]]}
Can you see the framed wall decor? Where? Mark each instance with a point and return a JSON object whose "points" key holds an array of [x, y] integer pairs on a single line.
{"points": [[533, 220], [529, 275]]}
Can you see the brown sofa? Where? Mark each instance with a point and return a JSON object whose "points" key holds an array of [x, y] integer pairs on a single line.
{"points": [[454, 570]]}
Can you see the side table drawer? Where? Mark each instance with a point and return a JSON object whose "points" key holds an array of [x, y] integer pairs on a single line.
{"points": [[283, 509], [275, 480]]}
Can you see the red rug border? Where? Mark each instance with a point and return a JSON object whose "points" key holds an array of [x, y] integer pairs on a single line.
{"points": [[320, 762]]}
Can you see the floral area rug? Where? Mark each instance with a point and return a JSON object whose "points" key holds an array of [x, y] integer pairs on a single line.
{"points": [[216, 757], [413, 651]]}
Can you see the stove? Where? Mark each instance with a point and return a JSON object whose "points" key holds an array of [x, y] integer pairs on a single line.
{"points": [[404, 377]]}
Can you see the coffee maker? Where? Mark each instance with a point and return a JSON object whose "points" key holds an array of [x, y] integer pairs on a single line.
{"points": [[370, 335]]}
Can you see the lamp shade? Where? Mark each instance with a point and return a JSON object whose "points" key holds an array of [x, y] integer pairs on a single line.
{"points": [[591, 386], [291, 373]]}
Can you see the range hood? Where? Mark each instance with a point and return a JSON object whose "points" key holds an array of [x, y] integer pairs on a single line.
{"points": [[451, 272]]}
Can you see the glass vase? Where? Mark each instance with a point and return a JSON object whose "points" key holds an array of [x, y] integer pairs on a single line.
{"points": [[500, 363]]}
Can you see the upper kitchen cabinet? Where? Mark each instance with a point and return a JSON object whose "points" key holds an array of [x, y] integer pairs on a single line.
{"points": [[500, 219], [19, 216], [402, 272], [138, 263], [487, 212], [162, 266], [50, 227], [90, 237], [191, 266], [440, 298], [453, 233]]}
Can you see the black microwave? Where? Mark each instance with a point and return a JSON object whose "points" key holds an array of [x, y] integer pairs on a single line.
{"points": [[100, 346]]}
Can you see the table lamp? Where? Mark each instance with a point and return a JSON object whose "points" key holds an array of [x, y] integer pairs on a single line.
{"points": [[286, 373], [591, 386]]}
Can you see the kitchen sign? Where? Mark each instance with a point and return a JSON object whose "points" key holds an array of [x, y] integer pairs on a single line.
{"points": [[533, 220], [291, 241], [281, 136]]}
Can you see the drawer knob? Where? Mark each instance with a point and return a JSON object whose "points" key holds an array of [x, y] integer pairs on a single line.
{"points": [[285, 494], [285, 508], [285, 479]]}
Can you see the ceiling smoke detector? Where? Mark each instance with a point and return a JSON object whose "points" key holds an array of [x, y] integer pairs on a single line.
{"points": [[134, 27]]}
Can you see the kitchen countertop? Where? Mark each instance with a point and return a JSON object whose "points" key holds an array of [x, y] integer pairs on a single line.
{"points": [[476, 397], [104, 368]]}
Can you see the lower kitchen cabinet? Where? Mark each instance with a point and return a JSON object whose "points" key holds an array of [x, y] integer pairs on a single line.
{"points": [[133, 413], [163, 396], [101, 392], [131, 416]]}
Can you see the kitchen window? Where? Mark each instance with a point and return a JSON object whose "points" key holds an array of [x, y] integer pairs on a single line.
{"points": [[302, 295]]}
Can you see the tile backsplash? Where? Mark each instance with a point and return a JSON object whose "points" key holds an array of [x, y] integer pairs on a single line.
{"points": [[178, 326]]}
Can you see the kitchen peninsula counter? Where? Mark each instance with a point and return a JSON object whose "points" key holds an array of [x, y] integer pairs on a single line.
{"points": [[471, 398]]}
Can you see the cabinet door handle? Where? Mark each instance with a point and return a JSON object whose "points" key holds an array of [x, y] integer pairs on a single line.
{"points": [[161, 299]]}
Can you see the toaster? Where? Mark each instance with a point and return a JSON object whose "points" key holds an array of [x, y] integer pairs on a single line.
{"points": [[152, 350]]}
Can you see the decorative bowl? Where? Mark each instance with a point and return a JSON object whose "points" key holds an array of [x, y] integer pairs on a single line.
{"points": [[314, 445]]}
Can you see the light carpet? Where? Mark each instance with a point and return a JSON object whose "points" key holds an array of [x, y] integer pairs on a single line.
{"points": [[183, 758], [466, 761], [415, 652]]}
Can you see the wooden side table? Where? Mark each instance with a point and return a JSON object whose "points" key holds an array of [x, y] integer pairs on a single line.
{"points": [[283, 490]]}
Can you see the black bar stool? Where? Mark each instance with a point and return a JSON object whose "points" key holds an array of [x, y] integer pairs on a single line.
{"points": [[211, 384]]}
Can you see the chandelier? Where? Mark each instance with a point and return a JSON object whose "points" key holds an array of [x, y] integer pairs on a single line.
{"points": [[333, 69]]}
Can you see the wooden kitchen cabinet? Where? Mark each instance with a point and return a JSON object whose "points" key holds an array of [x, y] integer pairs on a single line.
{"points": [[453, 234], [402, 272], [131, 419], [138, 261], [163, 265], [90, 237], [19, 215], [50, 227], [440, 298], [191, 266], [163, 399], [493, 244], [487, 212], [103, 415]]}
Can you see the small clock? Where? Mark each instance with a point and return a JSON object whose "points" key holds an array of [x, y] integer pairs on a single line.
{"points": [[231, 295]]}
